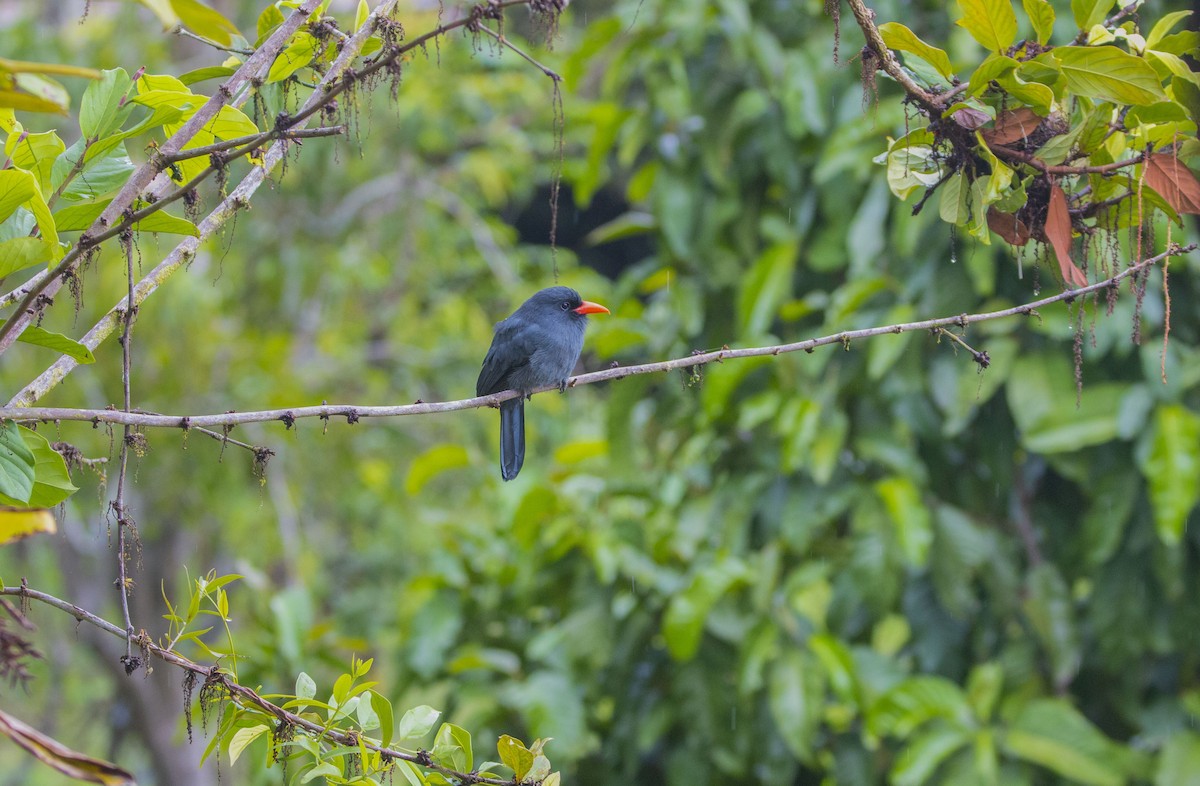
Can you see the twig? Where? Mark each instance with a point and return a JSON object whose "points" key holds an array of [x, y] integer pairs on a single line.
{"points": [[118, 503], [1063, 169], [251, 142], [354, 412], [180, 30], [245, 696], [505, 42]]}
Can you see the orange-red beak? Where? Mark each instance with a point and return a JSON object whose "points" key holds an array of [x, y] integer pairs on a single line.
{"points": [[588, 307]]}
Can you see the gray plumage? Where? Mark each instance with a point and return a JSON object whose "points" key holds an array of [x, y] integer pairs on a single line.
{"points": [[538, 345]]}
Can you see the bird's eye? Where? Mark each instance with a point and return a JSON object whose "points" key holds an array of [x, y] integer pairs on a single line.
{"points": [[566, 305]]}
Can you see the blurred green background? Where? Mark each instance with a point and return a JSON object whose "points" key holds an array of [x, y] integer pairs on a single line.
{"points": [[867, 566]]}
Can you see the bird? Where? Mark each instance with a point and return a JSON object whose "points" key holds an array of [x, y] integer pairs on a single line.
{"points": [[536, 346]]}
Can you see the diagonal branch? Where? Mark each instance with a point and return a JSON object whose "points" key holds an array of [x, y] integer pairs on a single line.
{"points": [[354, 413]]}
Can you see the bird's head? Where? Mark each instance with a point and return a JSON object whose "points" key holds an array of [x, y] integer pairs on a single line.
{"points": [[565, 301]]}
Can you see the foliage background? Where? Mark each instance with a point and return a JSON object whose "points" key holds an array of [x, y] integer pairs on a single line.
{"points": [[734, 577]]}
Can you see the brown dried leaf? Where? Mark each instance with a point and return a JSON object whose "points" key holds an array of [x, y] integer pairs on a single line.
{"points": [[970, 118], [1058, 232], [1008, 226], [1174, 182], [60, 757], [1012, 126]]}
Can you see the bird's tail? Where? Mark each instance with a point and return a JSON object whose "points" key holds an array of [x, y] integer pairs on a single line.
{"points": [[512, 437]]}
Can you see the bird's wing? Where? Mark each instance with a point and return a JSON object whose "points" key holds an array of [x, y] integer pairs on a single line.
{"points": [[512, 347]]}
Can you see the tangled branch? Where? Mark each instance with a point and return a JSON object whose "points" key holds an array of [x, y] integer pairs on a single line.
{"points": [[353, 413]]}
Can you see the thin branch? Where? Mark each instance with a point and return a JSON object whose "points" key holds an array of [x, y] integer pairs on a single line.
{"points": [[180, 30], [505, 42], [118, 503], [251, 142], [1021, 157], [354, 413], [245, 696]]}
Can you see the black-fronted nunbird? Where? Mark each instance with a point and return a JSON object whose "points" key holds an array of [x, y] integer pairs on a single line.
{"points": [[535, 347]]}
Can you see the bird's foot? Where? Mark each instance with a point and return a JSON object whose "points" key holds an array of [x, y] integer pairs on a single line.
{"points": [[562, 386]]}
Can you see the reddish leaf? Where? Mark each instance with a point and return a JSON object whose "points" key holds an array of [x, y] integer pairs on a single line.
{"points": [[1008, 226], [1012, 126], [1174, 182], [1058, 232]]}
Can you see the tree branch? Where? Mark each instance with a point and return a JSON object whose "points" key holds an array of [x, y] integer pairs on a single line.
{"points": [[254, 67], [245, 696], [887, 61], [354, 413], [335, 82]]}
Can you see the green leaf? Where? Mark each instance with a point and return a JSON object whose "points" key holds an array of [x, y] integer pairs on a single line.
{"points": [[209, 72], [452, 748], [1171, 467], [1041, 16], [897, 36], [417, 722], [766, 286], [298, 54], [1041, 395], [983, 689], [914, 702], [270, 18], [387, 721], [433, 462], [204, 21], [515, 756], [992, 68], [104, 171], [306, 687], [57, 342], [1052, 733], [34, 93], [16, 188], [952, 206], [1179, 763], [992, 23], [914, 529], [22, 252], [101, 111], [795, 701], [17, 464], [1109, 74], [326, 769], [1089, 13], [1047, 604], [1164, 26], [838, 665], [242, 738], [368, 718], [35, 153], [79, 217], [917, 763], [687, 612], [630, 224]]}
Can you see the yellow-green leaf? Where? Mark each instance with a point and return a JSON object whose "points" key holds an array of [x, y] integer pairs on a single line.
{"points": [[1109, 74], [992, 23], [35, 153], [432, 463], [1089, 13], [1041, 16], [16, 524], [914, 528], [1172, 469], [22, 252], [57, 342], [242, 738], [298, 54], [204, 21], [897, 36]]}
